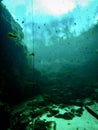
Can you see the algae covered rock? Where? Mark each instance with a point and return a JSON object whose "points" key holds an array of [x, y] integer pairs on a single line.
{"points": [[8, 24], [66, 116], [14, 66]]}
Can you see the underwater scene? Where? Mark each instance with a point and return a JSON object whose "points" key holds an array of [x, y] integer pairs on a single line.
{"points": [[48, 64]]}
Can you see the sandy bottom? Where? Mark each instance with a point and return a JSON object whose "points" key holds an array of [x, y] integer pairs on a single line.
{"points": [[85, 122]]}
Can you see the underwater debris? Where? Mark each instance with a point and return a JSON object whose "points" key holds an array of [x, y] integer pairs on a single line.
{"points": [[11, 35], [68, 123], [91, 112], [31, 54], [22, 22]]}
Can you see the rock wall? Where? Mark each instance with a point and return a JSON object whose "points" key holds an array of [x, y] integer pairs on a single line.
{"points": [[16, 77]]}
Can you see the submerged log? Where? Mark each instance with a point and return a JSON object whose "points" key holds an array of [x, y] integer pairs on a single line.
{"points": [[91, 112]]}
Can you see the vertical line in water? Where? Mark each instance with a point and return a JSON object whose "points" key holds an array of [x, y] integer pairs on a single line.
{"points": [[33, 34], [32, 27]]}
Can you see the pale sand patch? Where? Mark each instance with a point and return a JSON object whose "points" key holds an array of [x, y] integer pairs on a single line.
{"points": [[85, 122]]}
